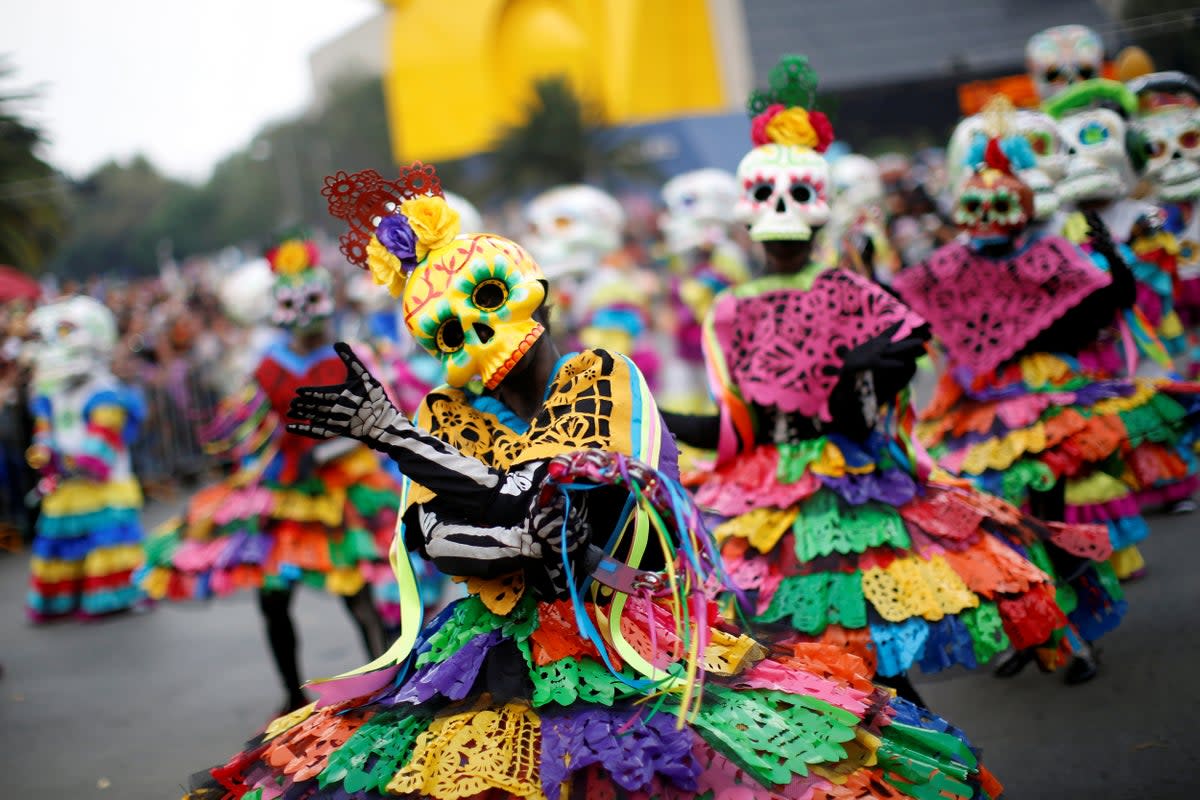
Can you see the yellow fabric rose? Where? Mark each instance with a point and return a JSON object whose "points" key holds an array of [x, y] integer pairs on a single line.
{"points": [[386, 269], [433, 221], [291, 257], [791, 126]]}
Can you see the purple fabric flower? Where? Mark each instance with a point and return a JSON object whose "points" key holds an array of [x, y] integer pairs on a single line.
{"points": [[394, 233]]}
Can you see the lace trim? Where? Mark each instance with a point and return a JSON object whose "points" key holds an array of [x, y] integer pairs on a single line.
{"points": [[462, 755]]}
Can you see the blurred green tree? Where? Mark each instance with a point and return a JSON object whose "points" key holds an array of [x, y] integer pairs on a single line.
{"points": [[31, 191], [562, 141], [114, 217]]}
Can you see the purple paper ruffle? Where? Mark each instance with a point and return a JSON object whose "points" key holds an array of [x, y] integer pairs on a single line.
{"points": [[629, 746]]}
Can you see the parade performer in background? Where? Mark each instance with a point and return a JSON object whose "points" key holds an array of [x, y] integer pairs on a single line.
{"points": [[856, 237], [1041, 173], [1104, 158], [1168, 122], [1059, 57], [584, 662], [294, 511], [88, 539], [830, 520], [601, 299], [702, 261], [1021, 409]]}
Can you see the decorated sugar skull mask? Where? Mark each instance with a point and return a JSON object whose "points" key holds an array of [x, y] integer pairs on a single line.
{"points": [[1039, 131], [785, 179], [574, 228], [303, 300], [72, 339], [1091, 122], [303, 291], [1060, 56], [468, 300], [471, 305], [993, 204], [1173, 154], [700, 207], [784, 192], [1169, 127]]}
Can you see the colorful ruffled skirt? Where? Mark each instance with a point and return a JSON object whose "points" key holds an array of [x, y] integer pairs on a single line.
{"points": [[521, 705], [331, 531], [1120, 445], [87, 544], [836, 542]]}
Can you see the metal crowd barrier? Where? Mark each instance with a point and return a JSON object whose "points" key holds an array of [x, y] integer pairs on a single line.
{"points": [[168, 451]]}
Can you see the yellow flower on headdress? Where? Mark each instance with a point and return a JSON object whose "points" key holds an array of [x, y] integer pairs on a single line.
{"points": [[792, 127], [433, 221], [291, 257], [386, 269]]}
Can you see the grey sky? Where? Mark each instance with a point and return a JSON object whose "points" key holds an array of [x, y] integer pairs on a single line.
{"points": [[184, 81]]}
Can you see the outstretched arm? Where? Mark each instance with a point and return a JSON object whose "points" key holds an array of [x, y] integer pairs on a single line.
{"points": [[360, 409]]}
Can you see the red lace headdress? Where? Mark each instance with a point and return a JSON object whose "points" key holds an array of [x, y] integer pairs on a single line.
{"points": [[363, 199]]}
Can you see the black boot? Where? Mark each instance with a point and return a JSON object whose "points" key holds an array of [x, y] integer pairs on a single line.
{"points": [[1011, 665], [1083, 667]]}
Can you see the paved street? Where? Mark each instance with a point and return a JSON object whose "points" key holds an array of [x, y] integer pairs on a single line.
{"points": [[127, 709]]}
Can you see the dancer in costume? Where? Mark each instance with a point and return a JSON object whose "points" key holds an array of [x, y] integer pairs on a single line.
{"points": [[829, 521], [601, 299], [1105, 155], [1168, 121], [294, 511], [570, 670], [703, 262], [88, 538]]}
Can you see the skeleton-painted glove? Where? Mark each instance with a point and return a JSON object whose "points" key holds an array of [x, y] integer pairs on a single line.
{"points": [[467, 545], [360, 409]]}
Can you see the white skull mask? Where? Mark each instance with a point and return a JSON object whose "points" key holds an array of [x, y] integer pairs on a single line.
{"points": [[74, 338], [1060, 56], [303, 300], [1098, 166], [857, 185], [784, 192], [574, 228], [700, 207], [1040, 131], [1173, 154]]}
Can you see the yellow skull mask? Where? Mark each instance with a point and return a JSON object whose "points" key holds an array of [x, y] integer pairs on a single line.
{"points": [[471, 302]]}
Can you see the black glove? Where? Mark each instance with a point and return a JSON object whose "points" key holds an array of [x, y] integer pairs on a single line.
{"points": [[881, 353]]}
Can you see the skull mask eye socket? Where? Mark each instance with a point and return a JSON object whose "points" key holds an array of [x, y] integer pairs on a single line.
{"points": [[970, 208], [450, 337], [490, 295], [803, 192], [762, 191], [1093, 133], [1189, 140]]}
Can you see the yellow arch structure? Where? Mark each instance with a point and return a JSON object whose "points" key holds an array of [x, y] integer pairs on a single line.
{"points": [[459, 70]]}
